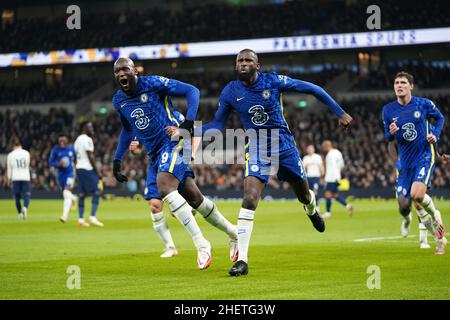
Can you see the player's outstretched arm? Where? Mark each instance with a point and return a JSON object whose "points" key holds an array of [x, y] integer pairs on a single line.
{"points": [[319, 93]]}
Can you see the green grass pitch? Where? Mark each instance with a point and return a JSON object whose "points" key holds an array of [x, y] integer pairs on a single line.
{"points": [[288, 258]]}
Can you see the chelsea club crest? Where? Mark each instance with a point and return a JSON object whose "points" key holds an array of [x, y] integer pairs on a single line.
{"points": [[266, 94], [144, 98], [417, 114]]}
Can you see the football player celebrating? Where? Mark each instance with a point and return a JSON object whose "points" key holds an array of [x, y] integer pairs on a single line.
{"points": [[256, 98], [406, 121]]}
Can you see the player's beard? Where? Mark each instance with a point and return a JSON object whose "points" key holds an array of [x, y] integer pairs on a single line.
{"points": [[246, 76]]}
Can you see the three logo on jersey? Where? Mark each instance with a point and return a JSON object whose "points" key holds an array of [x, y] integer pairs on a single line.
{"points": [[260, 117]]}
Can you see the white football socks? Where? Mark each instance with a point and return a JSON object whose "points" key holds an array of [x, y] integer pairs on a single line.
{"points": [[211, 213], [426, 220], [311, 207], [428, 205], [245, 227], [162, 229], [67, 195], [183, 212]]}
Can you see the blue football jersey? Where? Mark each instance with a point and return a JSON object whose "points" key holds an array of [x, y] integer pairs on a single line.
{"points": [[259, 106], [412, 120], [66, 154], [148, 111]]}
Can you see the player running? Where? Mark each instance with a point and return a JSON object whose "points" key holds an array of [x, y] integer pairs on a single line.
{"points": [[145, 110], [61, 158], [18, 175], [189, 190], [313, 164], [406, 121], [89, 179], [334, 163], [404, 204], [256, 98]]}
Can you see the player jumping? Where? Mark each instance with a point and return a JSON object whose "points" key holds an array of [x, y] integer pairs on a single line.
{"points": [[189, 190], [256, 98], [406, 121], [144, 107]]}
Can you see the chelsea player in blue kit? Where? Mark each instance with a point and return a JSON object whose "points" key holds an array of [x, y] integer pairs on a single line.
{"points": [[256, 98], [61, 158], [406, 121], [143, 104]]}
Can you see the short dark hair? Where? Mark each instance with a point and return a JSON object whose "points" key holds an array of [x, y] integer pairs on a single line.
{"points": [[63, 134], [16, 141], [249, 50], [83, 124], [404, 74]]}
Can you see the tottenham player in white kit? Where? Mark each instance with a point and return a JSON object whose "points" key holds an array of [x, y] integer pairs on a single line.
{"points": [[334, 163], [313, 164], [18, 175], [89, 180]]}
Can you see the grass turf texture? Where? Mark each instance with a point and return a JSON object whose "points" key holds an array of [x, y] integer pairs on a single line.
{"points": [[288, 258]]}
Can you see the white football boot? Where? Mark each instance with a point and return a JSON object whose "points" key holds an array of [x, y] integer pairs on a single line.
{"points": [[204, 256], [440, 245], [83, 223], [234, 253], [438, 225], [326, 215], [95, 222], [169, 252], [24, 213], [405, 226], [423, 237]]}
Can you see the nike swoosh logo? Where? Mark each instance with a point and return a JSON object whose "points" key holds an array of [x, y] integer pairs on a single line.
{"points": [[122, 105], [239, 99]]}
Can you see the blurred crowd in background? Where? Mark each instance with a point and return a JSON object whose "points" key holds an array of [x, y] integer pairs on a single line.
{"points": [[210, 83], [364, 147], [219, 21]]}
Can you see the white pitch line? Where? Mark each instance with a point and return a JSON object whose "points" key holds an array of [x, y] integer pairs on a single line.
{"points": [[387, 238], [382, 238]]}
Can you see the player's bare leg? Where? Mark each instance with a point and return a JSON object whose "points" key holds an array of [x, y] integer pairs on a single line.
{"points": [[161, 228], [308, 198], [211, 213], [433, 217], [167, 187], [253, 188], [404, 208]]}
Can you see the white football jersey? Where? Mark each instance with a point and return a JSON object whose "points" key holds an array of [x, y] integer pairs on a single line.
{"points": [[83, 144], [312, 164], [18, 165], [334, 164]]}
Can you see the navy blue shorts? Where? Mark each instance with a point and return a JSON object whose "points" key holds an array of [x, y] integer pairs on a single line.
{"points": [[22, 187], [422, 172], [314, 183], [173, 157], [332, 187], [151, 189], [66, 180], [88, 182], [289, 166]]}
